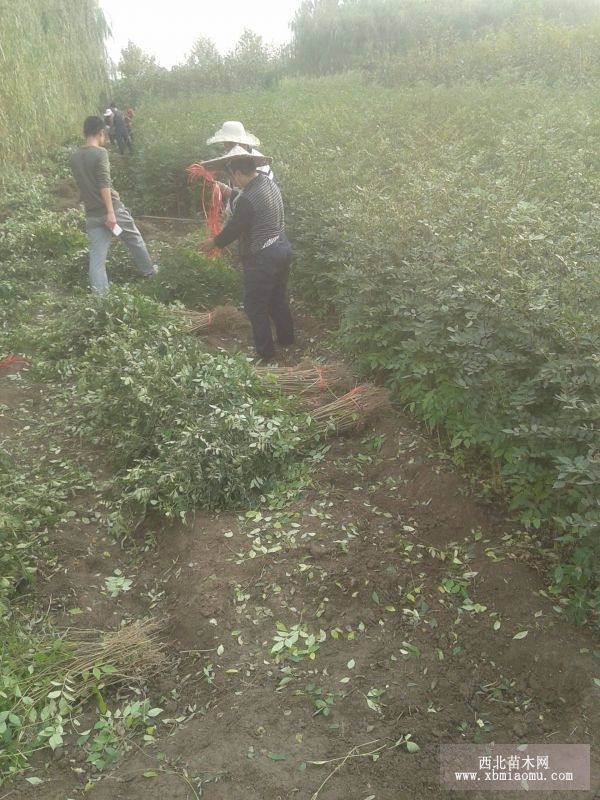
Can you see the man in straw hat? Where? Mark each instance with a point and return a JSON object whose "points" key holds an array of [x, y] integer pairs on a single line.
{"points": [[258, 224]]}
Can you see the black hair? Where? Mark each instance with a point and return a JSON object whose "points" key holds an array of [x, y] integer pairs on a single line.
{"points": [[92, 126], [245, 165]]}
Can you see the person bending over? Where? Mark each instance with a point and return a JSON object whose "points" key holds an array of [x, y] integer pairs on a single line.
{"points": [[104, 212], [258, 224]]}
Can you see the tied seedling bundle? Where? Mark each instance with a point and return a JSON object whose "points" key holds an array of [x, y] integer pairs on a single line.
{"points": [[350, 411], [219, 318], [307, 378], [90, 660], [41, 687]]}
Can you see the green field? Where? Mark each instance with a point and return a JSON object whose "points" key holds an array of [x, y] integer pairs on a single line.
{"points": [[206, 591], [453, 230]]}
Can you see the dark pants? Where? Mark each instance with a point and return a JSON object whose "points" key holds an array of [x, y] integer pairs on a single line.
{"points": [[123, 139], [265, 296]]}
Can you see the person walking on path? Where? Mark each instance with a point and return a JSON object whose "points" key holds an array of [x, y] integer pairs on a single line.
{"points": [[121, 130], [258, 224], [105, 213]]}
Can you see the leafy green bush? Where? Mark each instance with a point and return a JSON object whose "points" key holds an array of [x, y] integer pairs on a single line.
{"points": [[190, 277], [47, 237], [70, 327], [23, 194], [31, 500], [189, 429], [186, 429]]}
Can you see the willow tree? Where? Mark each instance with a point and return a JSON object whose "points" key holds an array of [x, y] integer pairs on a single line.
{"points": [[53, 68]]}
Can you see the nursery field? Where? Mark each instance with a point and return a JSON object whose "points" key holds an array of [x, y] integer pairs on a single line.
{"points": [[453, 231], [208, 591]]}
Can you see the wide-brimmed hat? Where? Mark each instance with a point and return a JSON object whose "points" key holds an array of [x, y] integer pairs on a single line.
{"points": [[235, 132], [236, 153]]}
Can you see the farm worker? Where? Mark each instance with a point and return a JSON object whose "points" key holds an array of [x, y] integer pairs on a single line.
{"points": [[121, 130], [229, 135], [105, 214], [108, 119], [258, 224], [129, 115]]}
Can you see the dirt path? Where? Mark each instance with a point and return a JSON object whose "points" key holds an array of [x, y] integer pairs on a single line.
{"points": [[389, 553]]}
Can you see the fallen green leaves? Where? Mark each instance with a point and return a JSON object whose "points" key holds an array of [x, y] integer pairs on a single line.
{"points": [[295, 643]]}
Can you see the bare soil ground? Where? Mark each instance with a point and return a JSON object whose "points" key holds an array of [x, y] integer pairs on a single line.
{"points": [[389, 551]]}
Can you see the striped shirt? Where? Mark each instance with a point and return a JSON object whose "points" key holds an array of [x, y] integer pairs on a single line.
{"points": [[258, 218]]}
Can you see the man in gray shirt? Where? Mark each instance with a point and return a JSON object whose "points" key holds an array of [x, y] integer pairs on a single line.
{"points": [[105, 214]]}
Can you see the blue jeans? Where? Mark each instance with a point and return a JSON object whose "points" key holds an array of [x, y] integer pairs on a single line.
{"points": [[99, 238]]}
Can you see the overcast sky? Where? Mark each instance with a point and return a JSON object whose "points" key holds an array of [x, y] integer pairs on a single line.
{"points": [[168, 28]]}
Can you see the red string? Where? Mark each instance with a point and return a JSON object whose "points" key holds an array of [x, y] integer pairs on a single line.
{"points": [[321, 381], [9, 360], [350, 396], [212, 210]]}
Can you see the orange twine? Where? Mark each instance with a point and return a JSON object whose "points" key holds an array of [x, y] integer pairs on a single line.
{"points": [[321, 382], [350, 396], [210, 318], [212, 212], [12, 359]]}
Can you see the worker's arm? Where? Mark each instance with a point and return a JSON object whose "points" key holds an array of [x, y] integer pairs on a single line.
{"points": [[226, 191], [240, 221], [104, 184]]}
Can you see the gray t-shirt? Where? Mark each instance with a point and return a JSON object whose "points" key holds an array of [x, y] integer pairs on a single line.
{"points": [[91, 170]]}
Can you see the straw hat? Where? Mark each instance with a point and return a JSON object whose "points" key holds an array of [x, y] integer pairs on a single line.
{"points": [[233, 132], [235, 153]]}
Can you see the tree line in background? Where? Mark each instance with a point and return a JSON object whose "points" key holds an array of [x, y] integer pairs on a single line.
{"points": [[394, 41], [250, 64]]}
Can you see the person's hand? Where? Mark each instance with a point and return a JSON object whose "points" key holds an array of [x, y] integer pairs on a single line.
{"points": [[207, 246], [110, 220], [225, 190]]}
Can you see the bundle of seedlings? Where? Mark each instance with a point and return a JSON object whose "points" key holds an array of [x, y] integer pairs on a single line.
{"points": [[87, 662], [350, 411], [45, 680], [219, 318], [307, 378]]}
